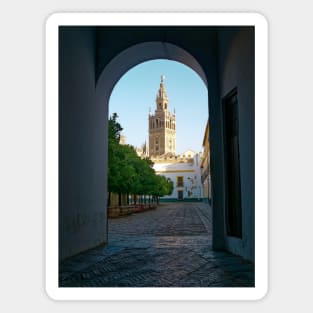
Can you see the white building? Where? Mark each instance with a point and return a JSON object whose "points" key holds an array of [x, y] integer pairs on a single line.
{"points": [[184, 171]]}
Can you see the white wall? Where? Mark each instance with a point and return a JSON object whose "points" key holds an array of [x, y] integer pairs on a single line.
{"points": [[192, 178]]}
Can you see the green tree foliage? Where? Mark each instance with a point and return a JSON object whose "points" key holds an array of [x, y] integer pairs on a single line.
{"points": [[127, 172], [115, 129], [164, 186]]}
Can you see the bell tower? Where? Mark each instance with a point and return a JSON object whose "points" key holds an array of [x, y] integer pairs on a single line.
{"points": [[162, 126]]}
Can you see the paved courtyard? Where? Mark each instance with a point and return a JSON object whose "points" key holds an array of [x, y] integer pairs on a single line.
{"points": [[167, 247]]}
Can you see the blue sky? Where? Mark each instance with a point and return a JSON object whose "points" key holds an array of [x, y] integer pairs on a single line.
{"points": [[136, 91]]}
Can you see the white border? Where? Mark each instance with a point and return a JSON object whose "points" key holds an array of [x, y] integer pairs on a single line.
{"points": [[261, 166]]}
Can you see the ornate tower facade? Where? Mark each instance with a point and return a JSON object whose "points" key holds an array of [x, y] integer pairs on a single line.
{"points": [[162, 126]]}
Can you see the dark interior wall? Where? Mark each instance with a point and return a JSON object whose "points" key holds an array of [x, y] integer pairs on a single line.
{"points": [[82, 211], [236, 67], [216, 143], [112, 40]]}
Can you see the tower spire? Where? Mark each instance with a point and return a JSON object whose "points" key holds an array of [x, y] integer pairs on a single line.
{"points": [[162, 99]]}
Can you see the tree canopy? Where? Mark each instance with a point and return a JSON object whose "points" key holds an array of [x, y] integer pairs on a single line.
{"points": [[127, 172]]}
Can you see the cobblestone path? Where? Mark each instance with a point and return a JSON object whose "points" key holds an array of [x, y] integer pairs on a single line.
{"points": [[166, 247]]}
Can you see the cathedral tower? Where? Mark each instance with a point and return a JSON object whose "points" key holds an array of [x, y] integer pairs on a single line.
{"points": [[162, 126]]}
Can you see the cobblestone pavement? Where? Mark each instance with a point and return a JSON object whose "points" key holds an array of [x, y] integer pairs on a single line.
{"points": [[166, 247]]}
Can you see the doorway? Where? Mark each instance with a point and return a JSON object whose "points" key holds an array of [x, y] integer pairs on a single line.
{"points": [[232, 156], [180, 195]]}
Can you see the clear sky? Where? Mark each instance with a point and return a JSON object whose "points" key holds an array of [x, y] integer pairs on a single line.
{"points": [[136, 91]]}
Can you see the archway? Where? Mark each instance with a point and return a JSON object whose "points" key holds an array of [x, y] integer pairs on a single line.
{"points": [[186, 96], [139, 54]]}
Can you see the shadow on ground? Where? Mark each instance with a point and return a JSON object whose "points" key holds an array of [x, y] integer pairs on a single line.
{"points": [[167, 247]]}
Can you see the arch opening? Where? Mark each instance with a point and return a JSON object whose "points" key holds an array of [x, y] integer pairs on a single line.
{"points": [[137, 55], [172, 152]]}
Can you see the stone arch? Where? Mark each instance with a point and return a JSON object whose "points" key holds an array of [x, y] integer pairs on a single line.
{"points": [[137, 54]]}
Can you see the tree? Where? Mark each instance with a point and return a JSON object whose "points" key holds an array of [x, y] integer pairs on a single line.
{"points": [[128, 173], [115, 128], [163, 186]]}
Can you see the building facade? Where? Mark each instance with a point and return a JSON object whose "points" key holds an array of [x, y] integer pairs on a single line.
{"points": [[162, 126], [205, 166], [184, 171]]}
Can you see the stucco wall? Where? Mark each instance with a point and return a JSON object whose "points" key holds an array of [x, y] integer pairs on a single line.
{"points": [[82, 207], [192, 187], [236, 67]]}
